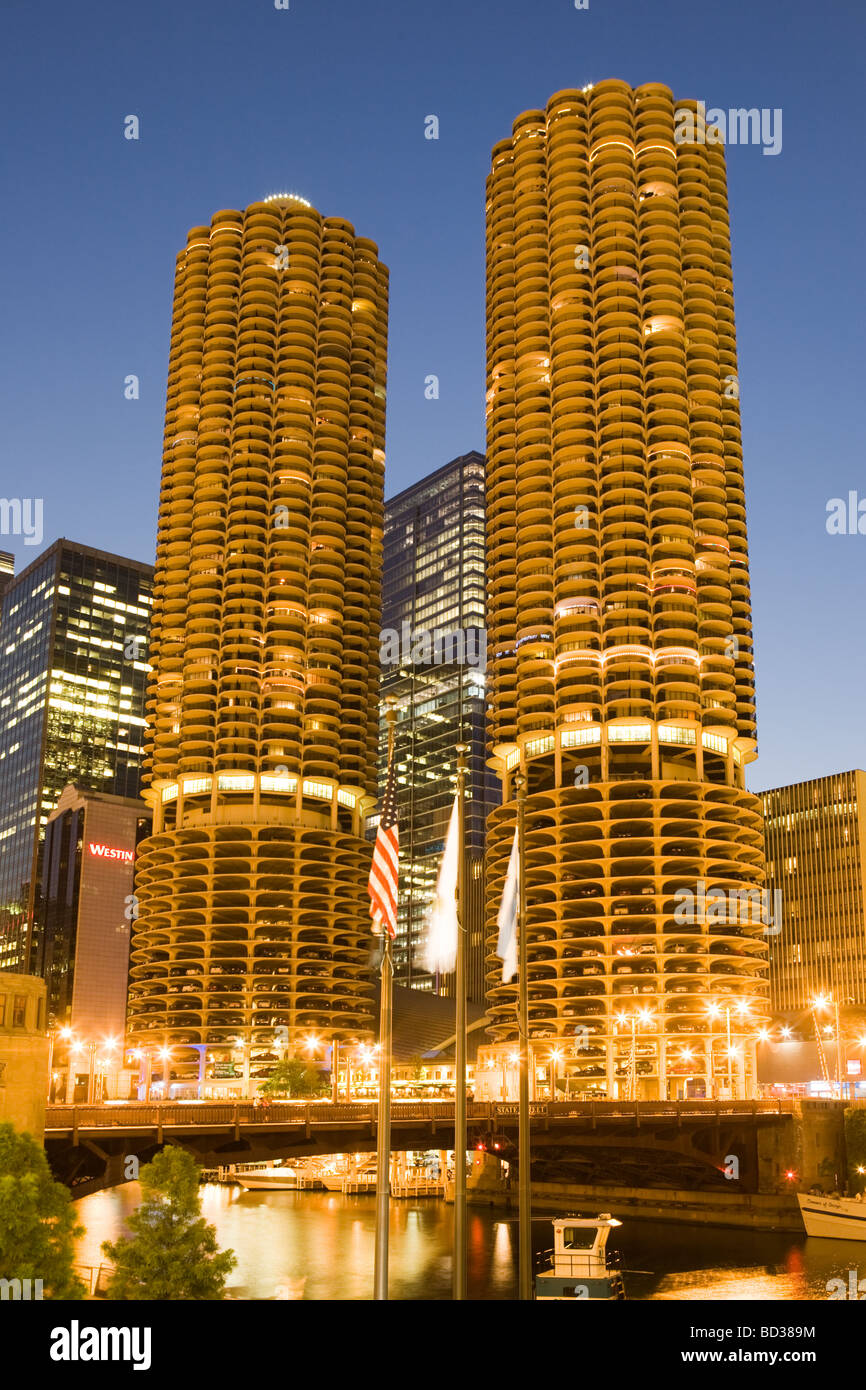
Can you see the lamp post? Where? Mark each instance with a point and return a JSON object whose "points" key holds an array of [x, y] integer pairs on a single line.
{"points": [[91, 1057], [818, 1005], [523, 1150], [634, 1018], [730, 1051], [554, 1058], [459, 1279], [109, 1046], [165, 1057], [65, 1034]]}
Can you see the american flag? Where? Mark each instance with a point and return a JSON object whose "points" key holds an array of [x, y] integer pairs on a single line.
{"points": [[383, 872]]}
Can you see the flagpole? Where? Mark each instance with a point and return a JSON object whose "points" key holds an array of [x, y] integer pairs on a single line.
{"points": [[383, 1128], [523, 1151], [458, 1290], [383, 1131]]}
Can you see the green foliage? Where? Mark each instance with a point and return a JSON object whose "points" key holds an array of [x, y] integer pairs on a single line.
{"points": [[294, 1077], [38, 1226], [172, 1252], [855, 1143]]}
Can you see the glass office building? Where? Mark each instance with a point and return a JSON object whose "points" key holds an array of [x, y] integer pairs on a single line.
{"points": [[433, 668], [7, 572], [73, 663], [816, 880]]}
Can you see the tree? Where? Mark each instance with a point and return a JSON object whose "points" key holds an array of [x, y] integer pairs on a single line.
{"points": [[294, 1077], [38, 1226], [172, 1252]]}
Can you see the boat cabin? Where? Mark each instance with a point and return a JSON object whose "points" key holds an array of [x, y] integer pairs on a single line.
{"points": [[577, 1266]]}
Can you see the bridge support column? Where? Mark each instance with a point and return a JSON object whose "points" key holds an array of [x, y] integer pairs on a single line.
{"points": [[708, 1069], [663, 1068]]}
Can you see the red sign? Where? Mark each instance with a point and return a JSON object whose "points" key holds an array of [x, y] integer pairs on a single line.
{"points": [[106, 852]]}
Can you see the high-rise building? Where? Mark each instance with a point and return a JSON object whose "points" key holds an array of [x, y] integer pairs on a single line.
{"points": [[619, 632], [73, 666], [7, 572], [816, 871], [86, 908], [264, 690], [433, 668]]}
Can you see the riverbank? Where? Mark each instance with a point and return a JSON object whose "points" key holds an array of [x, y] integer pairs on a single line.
{"points": [[739, 1211]]}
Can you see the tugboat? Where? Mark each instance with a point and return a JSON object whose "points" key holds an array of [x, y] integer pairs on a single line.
{"points": [[579, 1265]]}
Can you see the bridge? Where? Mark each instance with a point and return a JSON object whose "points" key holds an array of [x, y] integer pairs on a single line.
{"points": [[681, 1144]]}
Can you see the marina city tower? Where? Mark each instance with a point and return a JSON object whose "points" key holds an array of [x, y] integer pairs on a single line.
{"points": [[253, 924], [619, 628]]}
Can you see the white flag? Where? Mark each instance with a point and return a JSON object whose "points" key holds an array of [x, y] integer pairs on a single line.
{"points": [[440, 952], [506, 947]]}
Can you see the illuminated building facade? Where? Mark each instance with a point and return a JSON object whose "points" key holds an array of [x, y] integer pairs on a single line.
{"points": [[264, 690], [7, 572], [816, 865], [433, 667], [86, 907], [620, 675], [73, 665], [23, 1053]]}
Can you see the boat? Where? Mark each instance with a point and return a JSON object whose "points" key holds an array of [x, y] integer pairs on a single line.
{"points": [[580, 1265], [350, 1184], [835, 1218], [269, 1180]]}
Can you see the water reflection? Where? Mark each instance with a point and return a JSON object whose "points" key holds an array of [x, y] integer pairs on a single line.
{"points": [[319, 1245]]}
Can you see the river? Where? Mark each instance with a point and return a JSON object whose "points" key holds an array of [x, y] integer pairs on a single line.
{"points": [[319, 1245]]}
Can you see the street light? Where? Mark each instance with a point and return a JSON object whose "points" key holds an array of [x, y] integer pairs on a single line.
{"points": [[742, 1008], [555, 1056], [164, 1054], [65, 1034], [642, 1016], [819, 1004]]}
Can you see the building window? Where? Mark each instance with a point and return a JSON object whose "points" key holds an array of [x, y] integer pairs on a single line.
{"points": [[19, 1010]]}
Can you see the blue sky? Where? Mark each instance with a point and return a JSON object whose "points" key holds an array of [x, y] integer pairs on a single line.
{"points": [[237, 99]]}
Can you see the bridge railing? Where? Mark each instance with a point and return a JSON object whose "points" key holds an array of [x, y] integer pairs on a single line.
{"points": [[169, 1114], [655, 1109]]}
